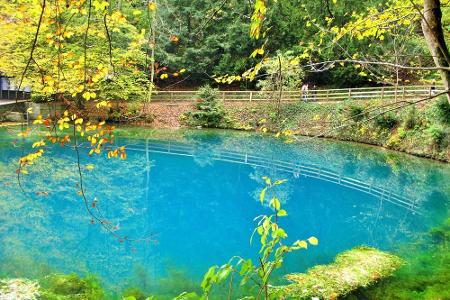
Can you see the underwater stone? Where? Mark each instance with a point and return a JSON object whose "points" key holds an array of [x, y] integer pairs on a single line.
{"points": [[14, 116], [19, 289]]}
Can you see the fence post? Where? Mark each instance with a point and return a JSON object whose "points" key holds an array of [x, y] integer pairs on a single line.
{"points": [[223, 96], [430, 91], [251, 96], [349, 94], [395, 93], [403, 94], [382, 93], [328, 92]]}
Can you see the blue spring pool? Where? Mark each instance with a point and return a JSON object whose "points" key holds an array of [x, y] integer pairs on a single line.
{"points": [[196, 193]]}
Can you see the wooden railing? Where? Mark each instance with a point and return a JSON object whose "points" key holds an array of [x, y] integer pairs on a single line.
{"points": [[392, 93], [13, 95]]}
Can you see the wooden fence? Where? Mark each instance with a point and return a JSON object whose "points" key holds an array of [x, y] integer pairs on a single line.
{"points": [[392, 93]]}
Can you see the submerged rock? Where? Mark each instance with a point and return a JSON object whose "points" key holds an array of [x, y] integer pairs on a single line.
{"points": [[18, 289], [352, 269], [14, 117]]}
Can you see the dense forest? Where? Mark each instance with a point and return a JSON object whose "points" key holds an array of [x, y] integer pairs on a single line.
{"points": [[188, 43]]}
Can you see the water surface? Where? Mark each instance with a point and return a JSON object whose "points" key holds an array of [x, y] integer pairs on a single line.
{"points": [[196, 194]]}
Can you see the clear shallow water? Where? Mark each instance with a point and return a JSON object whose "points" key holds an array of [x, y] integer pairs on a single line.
{"points": [[196, 193]]}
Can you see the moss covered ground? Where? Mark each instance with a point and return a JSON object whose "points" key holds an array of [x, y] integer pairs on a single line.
{"points": [[352, 269]]}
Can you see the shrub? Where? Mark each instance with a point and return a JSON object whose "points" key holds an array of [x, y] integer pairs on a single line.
{"points": [[437, 134], [41, 98], [443, 110], [356, 113], [209, 111], [386, 121], [410, 120]]}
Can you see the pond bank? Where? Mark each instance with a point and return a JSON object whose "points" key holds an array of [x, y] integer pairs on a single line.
{"points": [[420, 131]]}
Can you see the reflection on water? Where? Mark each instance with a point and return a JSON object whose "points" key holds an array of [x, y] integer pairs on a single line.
{"points": [[196, 192]]}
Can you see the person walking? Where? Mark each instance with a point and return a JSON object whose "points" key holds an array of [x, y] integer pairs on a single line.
{"points": [[314, 93], [433, 87], [305, 92]]}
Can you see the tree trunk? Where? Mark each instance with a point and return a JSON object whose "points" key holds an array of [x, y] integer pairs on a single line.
{"points": [[434, 36]]}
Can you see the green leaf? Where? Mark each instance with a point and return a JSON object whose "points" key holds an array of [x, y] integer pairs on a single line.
{"points": [[281, 233], [282, 213], [244, 280], [246, 267], [186, 296], [262, 195], [223, 273], [275, 203], [209, 278]]}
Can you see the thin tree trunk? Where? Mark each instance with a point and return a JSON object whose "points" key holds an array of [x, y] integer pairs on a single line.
{"points": [[151, 46], [434, 36], [152, 73]]}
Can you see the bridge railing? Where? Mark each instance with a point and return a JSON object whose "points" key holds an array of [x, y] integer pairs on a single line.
{"points": [[390, 93], [13, 95], [296, 168]]}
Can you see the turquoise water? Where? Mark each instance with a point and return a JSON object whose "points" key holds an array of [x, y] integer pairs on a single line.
{"points": [[196, 194]]}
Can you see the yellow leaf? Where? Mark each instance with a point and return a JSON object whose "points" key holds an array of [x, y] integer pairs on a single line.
{"points": [[152, 6], [38, 120], [90, 167], [86, 95], [30, 110], [313, 241], [102, 104], [302, 244], [39, 144]]}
